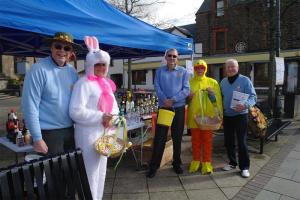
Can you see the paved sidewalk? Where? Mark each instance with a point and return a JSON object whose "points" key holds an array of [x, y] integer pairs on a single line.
{"points": [[274, 175], [127, 183], [279, 179]]}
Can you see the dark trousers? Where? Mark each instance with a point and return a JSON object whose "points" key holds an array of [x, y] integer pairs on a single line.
{"points": [[237, 126], [59, 140], [161, 138]]}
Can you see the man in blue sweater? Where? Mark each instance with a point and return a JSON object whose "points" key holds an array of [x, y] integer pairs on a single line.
{"points": [[236, 116], [46, 95], [172, 88]]}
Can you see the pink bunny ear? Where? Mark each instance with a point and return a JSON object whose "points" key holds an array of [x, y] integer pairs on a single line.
{"points": [[91, 43]]}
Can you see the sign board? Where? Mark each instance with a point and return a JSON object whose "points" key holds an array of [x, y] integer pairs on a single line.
{"points": [[198, 48], [279, 71], [23, 67], [189, 67]]}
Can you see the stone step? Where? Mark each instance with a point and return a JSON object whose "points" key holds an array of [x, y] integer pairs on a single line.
{"points": [[6, 96], [3, 77]]}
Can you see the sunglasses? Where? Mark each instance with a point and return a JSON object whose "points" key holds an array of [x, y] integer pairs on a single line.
{"points": [[173, 56], [199, 67], [60, 47]]}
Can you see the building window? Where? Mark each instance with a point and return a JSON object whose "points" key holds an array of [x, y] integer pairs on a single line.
{"points": [[153, 75], [118, 79], [293, 77], [261, 76], [219, 40], [139, 77], [220, 8]]}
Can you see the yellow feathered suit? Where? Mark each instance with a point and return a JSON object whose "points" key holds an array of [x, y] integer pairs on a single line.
{"points": [[202, 139]]}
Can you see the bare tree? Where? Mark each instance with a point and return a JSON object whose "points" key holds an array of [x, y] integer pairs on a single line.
{"points": [[141, 9]]}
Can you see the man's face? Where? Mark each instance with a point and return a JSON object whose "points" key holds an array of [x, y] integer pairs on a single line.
{"points": [[61, 52], [99, 69], [171, 58], [231, 69]]}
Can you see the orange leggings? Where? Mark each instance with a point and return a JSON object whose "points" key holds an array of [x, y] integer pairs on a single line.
{"points": [[201, 144]]}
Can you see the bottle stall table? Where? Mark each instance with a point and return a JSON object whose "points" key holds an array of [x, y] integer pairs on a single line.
{"points": [[16, 149], [137, 107], [18, 138]]}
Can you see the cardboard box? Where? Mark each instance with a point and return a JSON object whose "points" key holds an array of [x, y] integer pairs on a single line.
{"points": [[167, 155]]}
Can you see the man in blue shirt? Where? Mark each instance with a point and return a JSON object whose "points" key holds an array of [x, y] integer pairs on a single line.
{"points": [[172, 88], [46, 95], [236, 116]]}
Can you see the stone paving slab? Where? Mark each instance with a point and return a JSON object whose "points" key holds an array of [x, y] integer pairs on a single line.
{"points": [[297, 148], [296, 176], [288, 168], [283, 197], [283, 186], [294, 155], [229, 179], [267, 195], [109, 183], [207, 194], [140, 196], [164, 184], [230, 192], [197, 182], [133, 185], [178, 195]]}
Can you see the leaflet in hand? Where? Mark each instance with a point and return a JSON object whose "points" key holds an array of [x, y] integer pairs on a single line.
{"points": [[238, 98]]}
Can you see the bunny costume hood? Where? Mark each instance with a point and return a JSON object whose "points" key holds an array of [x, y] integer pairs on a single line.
{"points": [[95, 56]]}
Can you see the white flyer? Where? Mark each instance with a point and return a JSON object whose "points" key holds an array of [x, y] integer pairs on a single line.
{"points": [[238, 98]]}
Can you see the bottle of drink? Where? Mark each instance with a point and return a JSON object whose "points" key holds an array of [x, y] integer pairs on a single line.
{"points": [[20, 139], [128, 103], [27, 137]]}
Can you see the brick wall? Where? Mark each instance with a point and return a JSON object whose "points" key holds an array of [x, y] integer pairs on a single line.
{"points": [[249, 23]]}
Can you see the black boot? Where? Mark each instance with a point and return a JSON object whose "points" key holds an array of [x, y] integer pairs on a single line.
{"points": [[151, 173], [177, 169]]}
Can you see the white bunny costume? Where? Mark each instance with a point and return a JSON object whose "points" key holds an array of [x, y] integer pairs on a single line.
{"points": [[92, 97]]}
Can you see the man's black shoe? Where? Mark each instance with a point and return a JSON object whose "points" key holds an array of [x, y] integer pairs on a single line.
{"points": [[178, 169], [151, 173]]}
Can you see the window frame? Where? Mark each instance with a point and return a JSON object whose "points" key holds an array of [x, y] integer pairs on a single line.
{"points": [[214, 37]]}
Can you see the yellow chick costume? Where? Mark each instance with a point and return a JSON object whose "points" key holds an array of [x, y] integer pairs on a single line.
{"points": [[202, 139]]}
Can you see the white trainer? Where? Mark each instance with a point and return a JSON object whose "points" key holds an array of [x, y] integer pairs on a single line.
{"points": [[245, 173], [228, 167]]}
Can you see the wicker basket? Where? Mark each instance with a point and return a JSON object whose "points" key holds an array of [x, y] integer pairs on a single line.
{"points": [[208, 123], [110, 145]]}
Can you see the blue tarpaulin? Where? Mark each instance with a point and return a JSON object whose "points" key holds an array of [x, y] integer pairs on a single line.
{"points": [[24, 24]]}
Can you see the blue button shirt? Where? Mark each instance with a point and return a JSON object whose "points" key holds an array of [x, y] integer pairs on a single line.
{"points": [[172, 84]]}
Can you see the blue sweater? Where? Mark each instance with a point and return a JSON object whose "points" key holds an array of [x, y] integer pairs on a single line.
{"points": [[172, 85], [46, 96], [241, 84]]}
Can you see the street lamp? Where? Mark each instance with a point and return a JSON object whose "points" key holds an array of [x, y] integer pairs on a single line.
{"points": [[275, 102]]}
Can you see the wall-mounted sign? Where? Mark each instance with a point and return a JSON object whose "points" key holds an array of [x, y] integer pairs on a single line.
{"points": [[279, 70], [241, 47]]}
